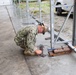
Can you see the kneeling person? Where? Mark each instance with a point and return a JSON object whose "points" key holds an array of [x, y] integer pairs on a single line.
{"points": [[26, 39]]}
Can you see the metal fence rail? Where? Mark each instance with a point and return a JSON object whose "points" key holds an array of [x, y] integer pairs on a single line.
{"points": [[53, 40], [24, 13]]}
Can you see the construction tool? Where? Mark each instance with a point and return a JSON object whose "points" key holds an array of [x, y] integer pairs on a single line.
{"points": [[41, 47]]}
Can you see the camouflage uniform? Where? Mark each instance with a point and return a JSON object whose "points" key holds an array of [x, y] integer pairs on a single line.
{"points": [[26, 38]]}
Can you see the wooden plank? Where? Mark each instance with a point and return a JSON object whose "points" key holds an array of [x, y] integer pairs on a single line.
{"points": [[60, 51]]}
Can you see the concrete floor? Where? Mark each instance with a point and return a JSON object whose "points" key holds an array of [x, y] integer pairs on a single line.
{"points": [[13, 62]]}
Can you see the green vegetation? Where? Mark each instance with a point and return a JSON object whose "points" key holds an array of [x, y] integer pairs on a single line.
{"points": [[45, 6], [34, 6], [22, 5]]}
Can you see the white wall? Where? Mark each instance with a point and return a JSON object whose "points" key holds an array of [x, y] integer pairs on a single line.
{"points": [[5, 2]]}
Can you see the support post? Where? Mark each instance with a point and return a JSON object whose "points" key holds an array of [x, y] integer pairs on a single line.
{"points": [[20, 13], [74, 25], [27, 10], [52, 22], [39, 1]]}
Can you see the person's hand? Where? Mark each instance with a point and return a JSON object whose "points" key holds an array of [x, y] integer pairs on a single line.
{"points": [[38, 52]]}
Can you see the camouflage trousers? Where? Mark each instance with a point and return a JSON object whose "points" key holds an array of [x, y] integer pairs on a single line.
{"points": [[23, 45]]}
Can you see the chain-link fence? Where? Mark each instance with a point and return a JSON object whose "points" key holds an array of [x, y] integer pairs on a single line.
{"points": [[29, 10]]}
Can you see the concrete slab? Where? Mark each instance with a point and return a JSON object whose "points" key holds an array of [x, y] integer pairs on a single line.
{"points": [[59, 65], [12, 61]]}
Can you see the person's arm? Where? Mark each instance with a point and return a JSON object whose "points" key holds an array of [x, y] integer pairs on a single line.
{"points": [[31, 40]]}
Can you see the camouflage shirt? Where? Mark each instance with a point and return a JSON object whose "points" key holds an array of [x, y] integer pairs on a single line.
{"points": [[26, 38]]}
